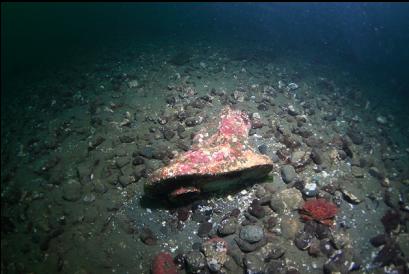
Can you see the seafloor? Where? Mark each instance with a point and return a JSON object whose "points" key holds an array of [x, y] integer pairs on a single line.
{"points": [[78, 142]]}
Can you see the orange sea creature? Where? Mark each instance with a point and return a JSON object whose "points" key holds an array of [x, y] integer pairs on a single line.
{"points": [[319, 210]]}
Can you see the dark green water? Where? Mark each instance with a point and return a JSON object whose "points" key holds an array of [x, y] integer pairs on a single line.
{"points": [[66, 78]]}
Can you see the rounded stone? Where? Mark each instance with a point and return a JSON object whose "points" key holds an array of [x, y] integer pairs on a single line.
{"points": [[288, 173], [252, 233], [228, 227], [72, 190], [286, 200], [310, 189], [195, 261]]}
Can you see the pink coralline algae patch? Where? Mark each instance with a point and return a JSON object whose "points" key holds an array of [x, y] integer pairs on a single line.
{"points": [[224, 152]]}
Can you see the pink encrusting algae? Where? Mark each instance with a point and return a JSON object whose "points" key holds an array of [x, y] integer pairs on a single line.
{"points": [[223, 152]]}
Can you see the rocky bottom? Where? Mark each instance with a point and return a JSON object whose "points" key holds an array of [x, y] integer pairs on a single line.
{"points": [[77, 151]]}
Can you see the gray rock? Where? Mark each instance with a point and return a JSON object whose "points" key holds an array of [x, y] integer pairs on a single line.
{"points": [[288, 173], [126, 139], [248, 247], [124, 180], [121, 161], [375, 172], [274, 158], [100, 187], [228, 226], [289, 227], [195, 261], [84, 173], [147, 152], [253, 263], [357, 172], [252, 233], [72, 190], [286, 200]]}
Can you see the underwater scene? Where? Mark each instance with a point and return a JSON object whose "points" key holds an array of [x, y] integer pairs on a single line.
{"points": [[181, 138]]}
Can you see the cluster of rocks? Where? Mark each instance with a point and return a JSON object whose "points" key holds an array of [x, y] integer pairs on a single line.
{"points": [[87, 167]]}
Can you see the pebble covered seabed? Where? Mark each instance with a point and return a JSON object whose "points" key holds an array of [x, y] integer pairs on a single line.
{"points": [[78, 144]]}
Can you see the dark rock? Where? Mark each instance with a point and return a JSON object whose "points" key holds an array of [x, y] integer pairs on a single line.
{"points": [[389, 254], [375, 172], [125, 180], [171, 100], [290, 141], [183, 214], [256, 209], [126, 139], [262, 107], [204, 229], [336, 264], [253, 263], [378, 240], [95, 142], [53, 234], [168, 134], [355, 136], [195, 261], [275, 266], [248, 247], [235, 213], [147, 152], [138, 160], [346, 148], [197, 246], [147, 236], [314, 249], [228, 226], [303, 240], [326, 247], [271, 223], [317, 156], [84, 173], [121, 161], [180, 130], [292, 271], [180, 261], [391, 220], [72, 190], [7, 225], [313, 141], [288, 173], [262, 149], [322, 231], [310, 227], [274, 158], [193, 121], [99, 187], [275, 253], [250, 219]]}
